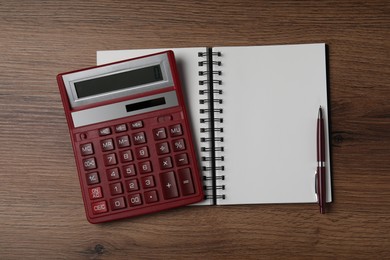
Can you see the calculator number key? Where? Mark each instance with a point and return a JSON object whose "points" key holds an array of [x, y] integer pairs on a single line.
{"points": [[126, 156], [110, 159], [113, 174], [135, 200], [118, 203], [168, 183], [129, 170], [132, 185], [142, 152], [145, 167], [116, 188], [148, 182]]}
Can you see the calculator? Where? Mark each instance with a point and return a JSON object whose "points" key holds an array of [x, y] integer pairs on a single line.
{"points": [[131, 137]]}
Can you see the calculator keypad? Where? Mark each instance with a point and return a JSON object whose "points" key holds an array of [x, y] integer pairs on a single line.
{"points": [[141, 165]]}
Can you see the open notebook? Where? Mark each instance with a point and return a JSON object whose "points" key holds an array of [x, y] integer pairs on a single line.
{"points": [[253, 111]]}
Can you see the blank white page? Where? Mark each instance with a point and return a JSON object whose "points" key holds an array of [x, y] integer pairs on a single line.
{"points": [[271, 96]]}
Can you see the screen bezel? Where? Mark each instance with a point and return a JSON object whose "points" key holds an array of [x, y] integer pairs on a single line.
{"points": [[98, 72]]}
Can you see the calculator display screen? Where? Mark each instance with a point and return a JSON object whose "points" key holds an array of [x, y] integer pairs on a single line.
{"points": [[118, 81]]}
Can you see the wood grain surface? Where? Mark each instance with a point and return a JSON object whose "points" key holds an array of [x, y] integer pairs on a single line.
{"points": [[41, 210]]}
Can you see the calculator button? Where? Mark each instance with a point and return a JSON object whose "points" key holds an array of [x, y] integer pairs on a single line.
{"points": [[118, 203], [139, 138], [86, 149], [185, 181], [136, 124], [110, 159], [148, 182], [123, 141], [164, 118], [179, 145], [116, 188], [104, 131], [162, 148], [99, 207], [165, 163], [159, 133], [145, 167], [132, 185], [95, 193], [175, 130], [113, 174], [151, 196], [142, 152], [120, 128], [135, 200], [181, 159], [92, 178], [89, 164], [168, 183], [129, 170], [126, 156], [107, 145]]}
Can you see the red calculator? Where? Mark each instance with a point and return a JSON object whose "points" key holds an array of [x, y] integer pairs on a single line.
{"points": [[131, 137]]}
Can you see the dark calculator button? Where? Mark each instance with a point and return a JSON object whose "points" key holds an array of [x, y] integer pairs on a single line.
{"points": [[126, 156], [136, 124], [104, 131], [139, 138], [86, 149], [165, 163], [92, 178], [118, 203], [123, 141], [159, 133], [178, 145], [175, 130], [162, 148], [164, 118], [168, 183], [135, 199], [129, 170], [113, 174], [89, 164], [110, 159], [116, 188], [145, 167], [120, 128], [107, 145], [148, 182], [132, 185], [142, 152], [151, 196], [185, 181]]}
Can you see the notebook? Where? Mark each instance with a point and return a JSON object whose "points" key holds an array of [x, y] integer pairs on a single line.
{"points": [[253, 111]]}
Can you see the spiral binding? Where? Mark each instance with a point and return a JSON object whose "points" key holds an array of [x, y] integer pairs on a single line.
{"points": [[211, 98]]}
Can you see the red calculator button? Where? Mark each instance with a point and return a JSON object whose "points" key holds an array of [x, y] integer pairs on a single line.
{"points": [[126, 156], [92, 178], [107, 145], [185, 181], [165, 163], [178, 145], [116, 188], [89, 164], [139, 138], [118, 203], [113, 174], [151, 196], [86, 149], [159, 133], [120, 128], [110, 159], [162, 148], [129, 170], [168, 183], [132, 185], [181, 159], [136, 124], [123, 141], [148, 182], [135, 200], [99, 207], [104, 131], [145, 167], [95, 193], [175, 130], [142, 152]]}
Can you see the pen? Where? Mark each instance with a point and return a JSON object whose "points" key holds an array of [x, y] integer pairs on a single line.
{"points": [[321, 162]]}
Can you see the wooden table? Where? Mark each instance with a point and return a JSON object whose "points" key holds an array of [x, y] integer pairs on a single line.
{"points": [[41, 210]]}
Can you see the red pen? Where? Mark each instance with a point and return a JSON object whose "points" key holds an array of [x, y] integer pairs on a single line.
{"points": [[321, 181]]}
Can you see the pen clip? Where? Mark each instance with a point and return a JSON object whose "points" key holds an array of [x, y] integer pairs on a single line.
{"points": [[316, 182]]}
